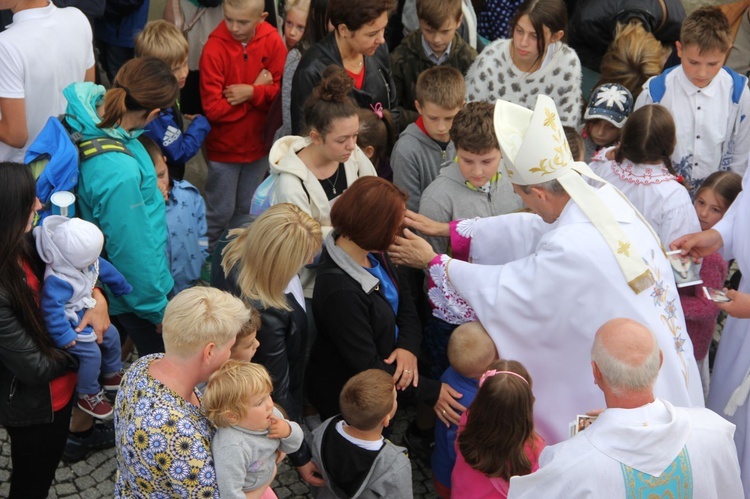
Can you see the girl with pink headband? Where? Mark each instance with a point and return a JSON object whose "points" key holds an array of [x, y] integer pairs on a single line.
{"points": [[496, 437]]}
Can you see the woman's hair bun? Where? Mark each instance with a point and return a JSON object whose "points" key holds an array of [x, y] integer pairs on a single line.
{"points": [[335, 85]]}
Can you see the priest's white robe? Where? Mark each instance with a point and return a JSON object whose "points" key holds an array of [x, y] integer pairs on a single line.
{"points": [[732, 364], [542, 291], [652, 451]]}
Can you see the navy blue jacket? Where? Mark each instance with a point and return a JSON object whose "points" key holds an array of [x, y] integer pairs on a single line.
{"points": [[178, 147]]}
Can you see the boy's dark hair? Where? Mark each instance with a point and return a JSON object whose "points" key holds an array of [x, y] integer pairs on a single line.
{"points": [[437, 12], [500, 423], [443, 86], [356, 13], [370, 213], [367, 398], [575, 141], [708, 29], [473, 128], [151, 147], [250, 326]]}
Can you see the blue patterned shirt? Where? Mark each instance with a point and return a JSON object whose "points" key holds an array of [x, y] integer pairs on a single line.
{"points": [[163, 441]]}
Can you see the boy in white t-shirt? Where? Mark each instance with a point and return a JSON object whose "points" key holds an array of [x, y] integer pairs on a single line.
{"points": [[709, 103], [43, 51]]}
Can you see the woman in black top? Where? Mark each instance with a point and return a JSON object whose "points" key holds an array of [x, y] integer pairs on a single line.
{"points": [[357, 44], [36, 382], [361, 310]]}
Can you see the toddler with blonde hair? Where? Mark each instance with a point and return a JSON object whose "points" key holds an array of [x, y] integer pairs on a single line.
{"points": [[470, 351], [250, 430]]}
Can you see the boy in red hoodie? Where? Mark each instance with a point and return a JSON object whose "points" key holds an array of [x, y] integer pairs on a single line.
{"points": [[241, 67]]}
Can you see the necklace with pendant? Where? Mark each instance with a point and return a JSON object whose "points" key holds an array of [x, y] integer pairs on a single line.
{"points": [[335, 180]]}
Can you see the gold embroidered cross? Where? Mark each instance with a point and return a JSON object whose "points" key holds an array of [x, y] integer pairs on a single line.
{"points": [[624, 248], [549, 120]]}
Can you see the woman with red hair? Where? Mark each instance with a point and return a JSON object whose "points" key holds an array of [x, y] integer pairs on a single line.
{"points": [[361, 307]]}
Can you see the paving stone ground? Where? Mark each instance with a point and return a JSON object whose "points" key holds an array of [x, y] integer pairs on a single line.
{"points": [[94, 476]]}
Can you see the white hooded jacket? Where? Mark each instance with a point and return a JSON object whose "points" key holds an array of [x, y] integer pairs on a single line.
{"points": [[71, 249], [296, 184]]}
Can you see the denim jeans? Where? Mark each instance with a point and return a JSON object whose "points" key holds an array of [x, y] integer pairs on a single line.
{"points": [[95, 359]]}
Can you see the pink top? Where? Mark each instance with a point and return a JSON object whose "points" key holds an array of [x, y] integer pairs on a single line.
{"points": [[700, 312], [468, 482]]}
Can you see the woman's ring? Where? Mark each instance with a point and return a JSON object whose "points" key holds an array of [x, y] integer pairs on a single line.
{"points": [[443, 412], [407, 371]]}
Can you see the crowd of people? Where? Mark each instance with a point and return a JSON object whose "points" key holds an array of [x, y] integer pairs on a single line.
{"points": [[407, 203]]}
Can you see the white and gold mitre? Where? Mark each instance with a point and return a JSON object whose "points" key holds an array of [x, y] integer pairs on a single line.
{"points": [[533, 143], [535, 151]]}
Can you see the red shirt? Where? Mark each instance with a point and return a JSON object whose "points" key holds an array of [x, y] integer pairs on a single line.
{"points": [[359, 79], [236, 134], [62, 388], [420, 124]]}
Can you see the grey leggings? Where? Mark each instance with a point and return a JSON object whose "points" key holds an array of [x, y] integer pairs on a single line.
{"points": [[229, 190]]}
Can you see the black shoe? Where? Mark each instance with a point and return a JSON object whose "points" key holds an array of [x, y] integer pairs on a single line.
{"points": [[419, 443], [77, 448]]}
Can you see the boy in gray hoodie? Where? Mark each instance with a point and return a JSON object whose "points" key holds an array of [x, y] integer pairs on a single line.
{"points": [[472, 186], [349, 449], [425, 146]]}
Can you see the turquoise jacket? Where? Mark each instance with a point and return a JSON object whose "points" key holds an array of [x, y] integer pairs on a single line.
{"points": [[118, 193]]}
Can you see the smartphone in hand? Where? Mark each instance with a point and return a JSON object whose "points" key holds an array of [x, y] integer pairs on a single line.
{"points": [[716, 295]]}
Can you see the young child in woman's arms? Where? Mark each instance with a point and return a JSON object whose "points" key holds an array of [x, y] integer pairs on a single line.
{"points": [[250, 430], [71, 247]]}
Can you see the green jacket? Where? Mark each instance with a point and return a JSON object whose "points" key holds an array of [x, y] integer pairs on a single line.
{"points": [[409, 60], [118, 193]]}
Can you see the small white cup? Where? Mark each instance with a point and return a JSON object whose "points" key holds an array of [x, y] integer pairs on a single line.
{"points": [[63, 203]]}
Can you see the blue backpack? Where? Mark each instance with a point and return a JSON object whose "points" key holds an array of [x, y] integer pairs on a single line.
{"points": [[57, 153], [657, 87], [262, 197]]}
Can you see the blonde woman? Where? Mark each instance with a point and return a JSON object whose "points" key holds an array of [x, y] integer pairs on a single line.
{"points": [[634, 56], [158, 405], [260, 264], [594, 23]]}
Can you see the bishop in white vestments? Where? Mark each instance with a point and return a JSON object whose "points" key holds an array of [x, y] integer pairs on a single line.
{"points": [[542, 284]]}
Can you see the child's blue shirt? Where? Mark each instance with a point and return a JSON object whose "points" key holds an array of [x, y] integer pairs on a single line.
{"points": [[444, 454], [187, 246]]}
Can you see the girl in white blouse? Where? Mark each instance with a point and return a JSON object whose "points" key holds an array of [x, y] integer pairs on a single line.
{"points": [[641, 168]]}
